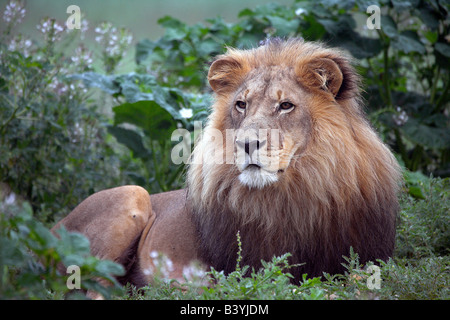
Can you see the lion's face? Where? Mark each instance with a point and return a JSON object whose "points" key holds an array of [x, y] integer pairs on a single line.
{"points": [[266, 112], [268, 99]]}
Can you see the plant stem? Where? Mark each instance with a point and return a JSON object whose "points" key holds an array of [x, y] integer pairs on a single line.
{"points": [[13, 115], [386, 75], [443, 96], [434, 84], [387, 90], [156, 167], [401, 147]]}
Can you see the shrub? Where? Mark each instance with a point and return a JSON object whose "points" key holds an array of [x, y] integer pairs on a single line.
{"points": [[53, 145], [423, 227], [30, 255]]}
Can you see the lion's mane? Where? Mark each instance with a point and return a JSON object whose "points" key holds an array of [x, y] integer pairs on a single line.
{"points": [[341, 191]]}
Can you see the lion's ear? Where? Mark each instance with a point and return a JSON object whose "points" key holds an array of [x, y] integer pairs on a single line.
{"points": [[335, 76], [224, 74]]}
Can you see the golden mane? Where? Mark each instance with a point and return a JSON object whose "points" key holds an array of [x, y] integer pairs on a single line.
{"points": [[341, 191]]}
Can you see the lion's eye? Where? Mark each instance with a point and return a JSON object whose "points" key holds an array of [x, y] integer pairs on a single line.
{"points": [[240, 106], [286, 106]]}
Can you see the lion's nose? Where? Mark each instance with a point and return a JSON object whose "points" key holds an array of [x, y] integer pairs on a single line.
{"points": [[251, 145]]}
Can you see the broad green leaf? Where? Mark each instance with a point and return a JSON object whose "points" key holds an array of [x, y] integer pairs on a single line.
{"points": [[431, 36], [72, 243], [131, 139], [245, 13], [175, 34], [10, 254], [40, 238], [436, 138], [149, 116], [408, 42], [284, 27], [443, 49], [388, 26], [429, 16], [144, 48], [403, 5], [416, 192], [93, 79], [170, 22], [107, 267], [360, 47]]}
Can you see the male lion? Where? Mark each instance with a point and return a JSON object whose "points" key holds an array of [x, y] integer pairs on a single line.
{"points": [[309, 175]]}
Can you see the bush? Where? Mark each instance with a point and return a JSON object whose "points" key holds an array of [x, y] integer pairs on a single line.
{"points": [[423, 227], [52, 144], [30, 255]]}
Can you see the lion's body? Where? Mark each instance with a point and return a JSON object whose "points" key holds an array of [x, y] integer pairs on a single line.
{"points": [[325, 182]]}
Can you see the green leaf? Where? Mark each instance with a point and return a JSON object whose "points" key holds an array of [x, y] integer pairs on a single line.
{"points": [[443, 49], [40, 238], [408, 42], [107, 267], [388, 26], [360, 47], [157, 122], [93, 79], [72, 243], [416, 192], [10, 254], [175, 29], [131, 139], [403, 5], [284, 27], [144, 48], [133, 85], [431, 36], [436, 138], [429, 16], [170, 22]]}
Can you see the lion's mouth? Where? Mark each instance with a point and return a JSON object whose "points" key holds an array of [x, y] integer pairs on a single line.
{"points": [[252, 166], [255, 176]]}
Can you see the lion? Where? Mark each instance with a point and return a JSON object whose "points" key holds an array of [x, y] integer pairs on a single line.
{"points": [[301, 172]]}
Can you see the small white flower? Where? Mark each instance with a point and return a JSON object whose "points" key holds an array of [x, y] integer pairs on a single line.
{"points": [[14, 12], [401, 117], [21, 45], [186, 113], [51, 29], [98, 39], [300, 11], [154, 254], [10, 200]]}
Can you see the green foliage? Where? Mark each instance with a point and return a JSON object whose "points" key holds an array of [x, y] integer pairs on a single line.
{"points": [[423, 227], [425, 279], [52, 144], [400, 279], [144, 120], [271, 282], [31, 258]]}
